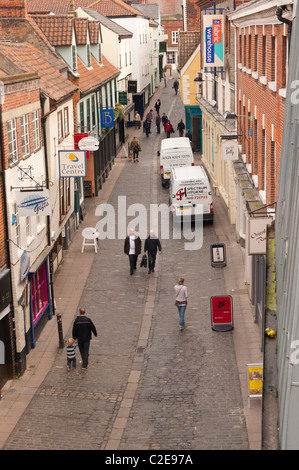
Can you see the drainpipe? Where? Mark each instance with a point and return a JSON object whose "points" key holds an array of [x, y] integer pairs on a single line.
{"points": [[279, 12], [43, 124]]}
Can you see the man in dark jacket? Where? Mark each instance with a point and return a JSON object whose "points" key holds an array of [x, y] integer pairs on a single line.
{"points": [[132, 248], [82, 329], [151, 245]]}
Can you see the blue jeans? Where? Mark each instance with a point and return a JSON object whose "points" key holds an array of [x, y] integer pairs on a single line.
{"points": [[181, 309]]}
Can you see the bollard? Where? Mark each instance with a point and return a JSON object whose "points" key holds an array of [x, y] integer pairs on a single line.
{"points": [[60, 334]]}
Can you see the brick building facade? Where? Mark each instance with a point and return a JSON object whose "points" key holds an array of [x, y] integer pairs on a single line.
{"points": [[262, 70]]}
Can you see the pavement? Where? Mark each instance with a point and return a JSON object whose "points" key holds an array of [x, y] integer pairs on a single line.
{"points": [[148, 385]]}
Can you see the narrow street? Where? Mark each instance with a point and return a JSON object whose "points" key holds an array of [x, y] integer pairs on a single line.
{"points": [[149, 385]]}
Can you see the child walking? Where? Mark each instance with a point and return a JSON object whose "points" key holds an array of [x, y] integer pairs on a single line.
{"points": [[71, 353]]}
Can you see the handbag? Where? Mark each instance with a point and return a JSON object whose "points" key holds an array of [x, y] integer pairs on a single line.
{"points": [[177, 302], [143, 262]]}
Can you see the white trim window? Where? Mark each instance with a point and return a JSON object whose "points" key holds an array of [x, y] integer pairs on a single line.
{"points": [[25, 135], [66, 121], [35, 130], [12, 140], [60, 126], [175, 37]]}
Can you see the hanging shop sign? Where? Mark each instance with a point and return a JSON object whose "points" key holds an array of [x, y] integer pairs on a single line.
{"points": [[123, 97], [88, 143], [71, 163], [229, 150], [257, 235], [213, 27], [78, 136], [222, 313], [107, 118], [33, 203], [132, 86]]}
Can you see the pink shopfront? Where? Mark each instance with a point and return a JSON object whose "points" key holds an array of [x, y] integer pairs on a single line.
{"points": [[40, 301]]}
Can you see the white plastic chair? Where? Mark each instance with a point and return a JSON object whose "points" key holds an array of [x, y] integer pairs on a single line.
{"points": [[90, 238]]}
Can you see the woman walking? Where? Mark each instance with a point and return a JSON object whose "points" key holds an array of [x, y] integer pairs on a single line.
{"points": [[181, 295]]}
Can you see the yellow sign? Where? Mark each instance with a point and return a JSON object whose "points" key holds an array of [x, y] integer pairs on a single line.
{"points": [[255, 380]]}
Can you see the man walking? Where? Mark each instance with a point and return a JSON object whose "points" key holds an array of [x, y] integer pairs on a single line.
{"points": [[151, 245], [132, 248], [135, 147], [82, 329], [181, 128]]}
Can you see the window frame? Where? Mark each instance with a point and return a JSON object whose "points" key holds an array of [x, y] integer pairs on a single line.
{"points": [[25, 136], [35, 130], [12, 141]]}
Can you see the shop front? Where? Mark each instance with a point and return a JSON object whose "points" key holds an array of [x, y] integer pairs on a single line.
{"points": [[6, 328], [39, 300]]}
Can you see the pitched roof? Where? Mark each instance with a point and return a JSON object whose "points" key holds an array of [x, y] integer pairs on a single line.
{"points": [[116, 28], [110, 8], [113, 8], [58, 29], [91, 78], [94, 29], [81, 29], [29, 59], [188, 42]]}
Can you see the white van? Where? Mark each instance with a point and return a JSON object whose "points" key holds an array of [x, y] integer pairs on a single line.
{"points": [[190, 194], [174, 152]]}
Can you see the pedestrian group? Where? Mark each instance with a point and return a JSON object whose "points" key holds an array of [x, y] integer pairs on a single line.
{"points": [[83, 327]]}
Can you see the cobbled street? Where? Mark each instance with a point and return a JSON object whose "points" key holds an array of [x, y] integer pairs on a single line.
{"points": [[149, 385]]}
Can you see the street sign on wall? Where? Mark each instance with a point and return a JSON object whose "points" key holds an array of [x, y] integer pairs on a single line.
{"points": [[213, 28]]}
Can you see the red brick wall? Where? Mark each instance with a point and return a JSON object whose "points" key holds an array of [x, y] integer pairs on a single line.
{"points": [[3, 245], [170, 26], [17, 95], [267, 128]]}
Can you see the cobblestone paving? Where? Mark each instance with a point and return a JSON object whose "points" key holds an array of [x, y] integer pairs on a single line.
{"points": [[188, 395]]}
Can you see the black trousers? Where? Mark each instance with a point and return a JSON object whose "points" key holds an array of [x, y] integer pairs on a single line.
{"points": [[84, 351], [133, 262], [151, 260]]}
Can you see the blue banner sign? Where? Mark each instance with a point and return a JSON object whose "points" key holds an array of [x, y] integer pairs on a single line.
{"points": [[107, 118]]}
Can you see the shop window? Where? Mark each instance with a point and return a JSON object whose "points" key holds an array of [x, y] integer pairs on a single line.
{"points": [[39, 292]]}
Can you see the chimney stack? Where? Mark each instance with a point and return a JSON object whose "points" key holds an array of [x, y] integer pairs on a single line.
{"points": [[13, 9]]}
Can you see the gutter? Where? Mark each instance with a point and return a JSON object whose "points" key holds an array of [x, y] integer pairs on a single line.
{"points": [[279, 13]]}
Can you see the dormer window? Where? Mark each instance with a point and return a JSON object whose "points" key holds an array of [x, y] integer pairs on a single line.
{"points": [[74, 58], [88, 56]]}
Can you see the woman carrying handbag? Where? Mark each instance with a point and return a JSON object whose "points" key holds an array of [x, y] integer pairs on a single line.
{"points": [[181, 300]]}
